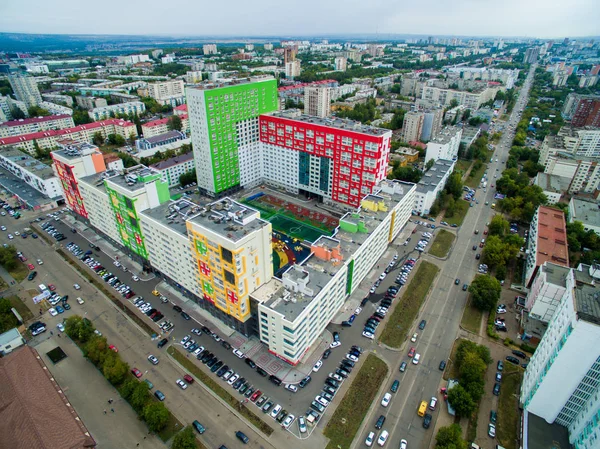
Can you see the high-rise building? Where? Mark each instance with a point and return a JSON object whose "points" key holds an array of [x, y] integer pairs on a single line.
{"points": [[72, 162], [167, 92], [292, 69], [289, 53], [582, 110], [341, 64], [412, 126], [223, 120], [25, 88], [445, 145], [209, 49], [432, 123], [531, 55], [317, 101], [561, 382]]}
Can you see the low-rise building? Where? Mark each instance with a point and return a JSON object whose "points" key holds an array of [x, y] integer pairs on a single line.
{"points": [[171, 169], [547, 242], [410, 154], [129, 108], [432, 182], [35, 124], [554, 186], [587, 212], [86, 102], [445, 145], [161, 126], [160, 140], [35, 173], [10, 340]]}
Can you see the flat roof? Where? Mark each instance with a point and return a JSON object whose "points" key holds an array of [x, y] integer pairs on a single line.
{"points": [[76, 150], [28, 163], [9, 336], [97, 179], [27, 121], [541, 435], [173, 214], [165, 136], [586, 211], [22, 190], [552, 237], [133, 179], [446, 135], [587, 302], [330, 122], [434, 175], [345, 241], [217, 84], [163, 165], [552, 183]]}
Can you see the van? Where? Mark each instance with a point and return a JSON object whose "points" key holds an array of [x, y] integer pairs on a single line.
{"points": [[42, 288], [422, 408]]}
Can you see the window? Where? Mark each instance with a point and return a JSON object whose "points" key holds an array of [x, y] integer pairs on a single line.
{"points": [[330, 137], [229, 276], [226, 255]]}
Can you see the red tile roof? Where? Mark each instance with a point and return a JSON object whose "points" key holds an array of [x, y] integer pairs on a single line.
{"points": [[301, 85], [162, 121], [181, 107], [552, 237], [27, 121], [34, 411], [63, 132]]}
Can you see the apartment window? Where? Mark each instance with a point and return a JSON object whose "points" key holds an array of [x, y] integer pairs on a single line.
{"points": [[330, 137]]}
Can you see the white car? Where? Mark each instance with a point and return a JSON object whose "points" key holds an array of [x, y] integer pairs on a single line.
{"points": [[77, 286], [232, 379], [292, 388], [386, 399], [181, 384], [239, 354], [382, 276], [135, 278], [152, 359], [416, 359], [383, 437], [335, 344], [370, 439], [61, 327], [491, 430], [276, 410], [10, 236], [287, 422], [17, 233], [432, 403], [352, 357], [52, 311], [403, 444], [302, 424], [317, 366], [3, 227], [414, 337], [368, 335], [40, 262], [80, 300], [116, 264], [357, 311], [324, 402]]}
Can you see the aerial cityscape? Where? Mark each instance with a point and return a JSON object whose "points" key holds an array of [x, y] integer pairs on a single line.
{"points": [[353, 227]]}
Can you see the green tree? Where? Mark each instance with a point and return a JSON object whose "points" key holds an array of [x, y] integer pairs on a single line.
{"points": [[8, 320], [128, 160], [116, 139], [495, 251], [498, 226], [97, 139], [454, 185], [78, 328], [185, 439], [429, 164], [450, 437], [461, 401], [486, 292], [8, 257], [96, 350], [187, 178], [174, 123], [156, 416], [81, 117], [408, 174], [115, 369], [139, 396], [36, 111], [128, 387]]}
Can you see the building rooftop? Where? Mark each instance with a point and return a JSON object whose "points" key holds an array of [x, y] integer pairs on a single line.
{"points": [[174, 214], [552, 183], [74, 150], [556, 274], [166, 136], [28, 163], [27, 121], [18, 187], [587, 303], [446, 135], [552, 237], [97, 179], [163, 165], [586, 211], [228, 218], [319, 83], [331, 122], [181, 107], [234, 82], [302, 282], [34, 411], [9, 336], [63, 132], [434, 175], [162, 121], [134, 178]]}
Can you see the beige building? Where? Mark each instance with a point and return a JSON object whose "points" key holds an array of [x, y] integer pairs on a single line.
{"points": [[471, 100], [412, 126], [341, 64], [317, 101], [36, 124], [209, 49], [292, 69], [167, 92], [25, 88]]}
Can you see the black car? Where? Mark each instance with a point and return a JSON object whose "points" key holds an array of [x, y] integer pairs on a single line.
{"points": [[276, 380], [334, 383], [379, 423], [512, 359], [163, 342], [496, 390], [347, 363], [364, 302], [184, 315], [261, 371], [177, 309], [251, 363], [206, 357], [327, 353], [442, 365], [304, 382], [520, 354], [216, 366], [226, 345], [426, 421], [342, 373], [205, 329], [422, 324], [32, 276]]}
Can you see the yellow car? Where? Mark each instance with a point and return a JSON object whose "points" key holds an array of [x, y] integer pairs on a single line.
{"points": [[155, 292]]}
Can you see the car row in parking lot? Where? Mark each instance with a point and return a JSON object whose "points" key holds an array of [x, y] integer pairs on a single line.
{"points": [[51, 230]]}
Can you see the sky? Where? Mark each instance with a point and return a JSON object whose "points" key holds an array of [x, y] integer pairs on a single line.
{"points": [[529, 18]]}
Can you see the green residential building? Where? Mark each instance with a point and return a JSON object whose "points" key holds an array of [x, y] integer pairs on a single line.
{"points": [[224, 126], [137, 189]]}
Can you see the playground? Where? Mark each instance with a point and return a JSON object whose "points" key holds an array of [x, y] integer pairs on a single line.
{"points": [[293, 226]]}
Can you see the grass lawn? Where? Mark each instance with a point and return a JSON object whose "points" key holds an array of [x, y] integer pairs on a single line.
{"points": [[21, 307], [441, 244], [3, 285], [220, 391], [463, 165], [474, 177], [20, 272], [471, 319], [172, 427], [406, 311], [350, 413], [508, 411], [462, 207], [451, 369]]}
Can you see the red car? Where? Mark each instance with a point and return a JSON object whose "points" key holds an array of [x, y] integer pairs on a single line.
{"points": [[189, 379], [136, 372], [411, 352], [30, 266], [114, 348], [485, 232], [51, 287], [255, 395]]}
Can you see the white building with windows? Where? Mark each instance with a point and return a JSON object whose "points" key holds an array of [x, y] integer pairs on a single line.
{"points": [[171, 169], [35, 124], [587, 212], [167, 92], [129, 108], [445, 145], [562, 380], [97, 204], [432, 183]]}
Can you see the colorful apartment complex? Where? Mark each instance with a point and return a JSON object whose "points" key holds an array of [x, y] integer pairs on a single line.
{"points": [[223, 119], [73, 162], [35, 124], [161, 126], [81, 133]]}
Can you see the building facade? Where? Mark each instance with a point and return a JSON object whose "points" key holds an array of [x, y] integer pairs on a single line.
{"points": [[129, 108], [34, 125], [25, 88], [445, 145], [432, 183], [317, 101], [167, 92], [161, 126], [412, 126], [582, 110], [340, 63], [171, 169]]}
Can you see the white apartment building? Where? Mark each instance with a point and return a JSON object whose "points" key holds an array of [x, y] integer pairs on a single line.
{"points": [[7, 105], [587, 212], [317, 101], [25, 88], [471, 100], [583, 172], [412, 126], [86, 102], [294, 311], [547, 241], [132, 107], [38, 175], [65, 100], [132, 59], [432, 182], [97, 204], [167, 92], [507, 76], [193, 77], [562, 379], [445, 145], [171, 169], [209, 49], [292, 69], [341, 64], [36, 124]]}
